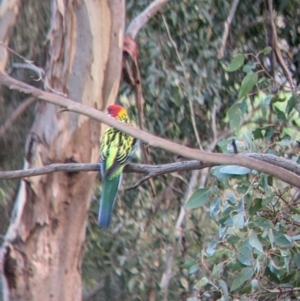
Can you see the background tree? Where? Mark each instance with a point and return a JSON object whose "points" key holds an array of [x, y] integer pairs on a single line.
{"points": [[154, 250]]}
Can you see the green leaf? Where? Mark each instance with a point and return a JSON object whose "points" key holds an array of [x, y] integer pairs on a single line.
{"points": [[233, 239], [255, 285], [296, 217], [271, 237], [224, 289], [236, 63], [278, 98], [249, 66], [296, 237], [238, 220], [217, 270], [184, 283], [214, 207], [244, 255], [255, 206], [292, 103], [263, 223], [258, 133], [255, 243], [248, 83], [270, 275], [266, 50], [280, 114], [198, 199], [194, 268], [282, 240], [243, 188], [235, 116], [296, 257], [211, 247], [235, 170], [246, 289], [134, 270], [244, 275], [265, 105], [188, 264], [131, 284], [202, 282]]}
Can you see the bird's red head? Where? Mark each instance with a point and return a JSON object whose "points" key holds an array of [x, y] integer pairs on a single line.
{"points": [[117, 111]]}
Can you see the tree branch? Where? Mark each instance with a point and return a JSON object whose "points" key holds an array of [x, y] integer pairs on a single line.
{"points": [[186, 152], [277, 161], [19, 111], [150, 170], [276, 46], [138, 22], [227, 27]]}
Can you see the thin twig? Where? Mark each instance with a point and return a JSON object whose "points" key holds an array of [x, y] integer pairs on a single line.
{"points": [[227, 25], [169, 168], [19, 111], [214, 122], [167, 275], [30, 65], [186, 83], [15, 53], [38, 70]]}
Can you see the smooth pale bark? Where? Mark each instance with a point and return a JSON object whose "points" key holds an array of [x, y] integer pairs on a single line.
{"points": [[43, 249], [9, 10]]}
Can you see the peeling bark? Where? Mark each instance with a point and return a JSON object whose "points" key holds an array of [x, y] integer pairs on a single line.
{"points": [[43, 248]]}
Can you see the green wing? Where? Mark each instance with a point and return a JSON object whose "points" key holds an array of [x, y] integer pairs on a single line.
{"points": [[117, 149]]}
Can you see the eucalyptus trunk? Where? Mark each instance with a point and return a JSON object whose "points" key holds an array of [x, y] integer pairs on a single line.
{"points": [[44, 245]]}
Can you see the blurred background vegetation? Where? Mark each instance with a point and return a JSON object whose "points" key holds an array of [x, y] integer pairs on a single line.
{"points": [[242, 239]]}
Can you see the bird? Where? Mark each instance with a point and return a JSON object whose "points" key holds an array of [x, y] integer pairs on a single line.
{"points": [[116, 150]]}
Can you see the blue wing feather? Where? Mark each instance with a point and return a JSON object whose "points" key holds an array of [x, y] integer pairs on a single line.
{"points": [[108, 197]]}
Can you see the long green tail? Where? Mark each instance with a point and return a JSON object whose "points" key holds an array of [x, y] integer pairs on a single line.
{"points": [[107, 200]]}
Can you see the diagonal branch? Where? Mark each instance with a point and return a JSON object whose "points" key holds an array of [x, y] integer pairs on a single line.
{"points": [[138, 22], [186, 152], [19, 111], [276, 46], [227, 25]]}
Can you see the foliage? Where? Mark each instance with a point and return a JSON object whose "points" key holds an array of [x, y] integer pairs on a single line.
{"points": [[242, 240], [224, 248], [256, 252]]}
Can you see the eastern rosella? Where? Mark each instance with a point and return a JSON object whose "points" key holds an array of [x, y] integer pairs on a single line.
{"points": [[116, 150]]}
